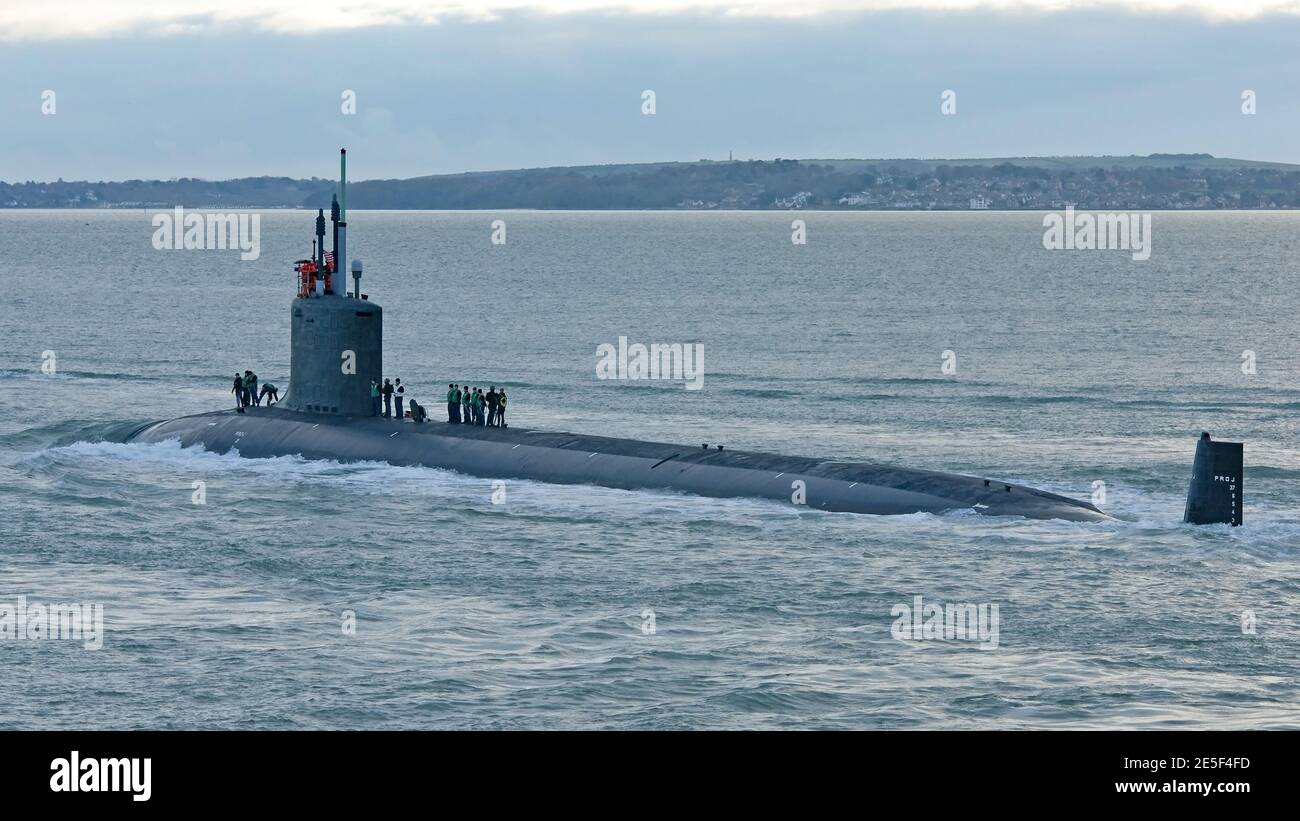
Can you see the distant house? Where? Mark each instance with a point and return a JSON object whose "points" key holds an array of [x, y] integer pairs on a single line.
{"points": [[798, 200]]}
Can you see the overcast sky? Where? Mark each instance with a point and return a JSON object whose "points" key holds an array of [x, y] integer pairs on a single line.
{"points": [[223, 89]]}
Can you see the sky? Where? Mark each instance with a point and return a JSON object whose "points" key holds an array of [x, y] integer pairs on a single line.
{"points": [[130, 89]]}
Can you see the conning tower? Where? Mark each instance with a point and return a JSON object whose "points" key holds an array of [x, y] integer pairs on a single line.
{"points": [[336, 337]]}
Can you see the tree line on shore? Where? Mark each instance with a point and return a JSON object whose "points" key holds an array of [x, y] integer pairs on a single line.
{"points": [[750, 184]]}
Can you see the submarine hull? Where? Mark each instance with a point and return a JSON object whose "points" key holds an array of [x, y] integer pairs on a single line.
{"points": [[568, 458]]}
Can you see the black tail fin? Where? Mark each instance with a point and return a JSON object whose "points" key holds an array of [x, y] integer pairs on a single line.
{"points": [[1215, 495]]}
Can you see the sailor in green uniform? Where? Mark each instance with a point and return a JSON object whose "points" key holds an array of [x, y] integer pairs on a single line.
{"points": [[453, 404]]}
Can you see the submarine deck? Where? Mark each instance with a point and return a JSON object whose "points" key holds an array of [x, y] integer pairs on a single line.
{"points": [[643, 464]]}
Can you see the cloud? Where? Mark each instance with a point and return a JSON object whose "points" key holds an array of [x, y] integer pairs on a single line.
{"points": [[62, 19], [538, 90]]}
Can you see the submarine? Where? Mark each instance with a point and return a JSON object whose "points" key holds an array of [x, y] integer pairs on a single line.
{"points": [[336, 350]]}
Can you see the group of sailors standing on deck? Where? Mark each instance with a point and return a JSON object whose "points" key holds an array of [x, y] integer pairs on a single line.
{"points": [[465, 405], [245, 391], [470, 406], [391, 392]]}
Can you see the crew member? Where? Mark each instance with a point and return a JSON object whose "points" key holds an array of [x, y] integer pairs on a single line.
{"points": [[250, 380], [238, 391], [374, 398], [400, 394], [492, 406], [247, 389], [478, 407], [388, 399], [466, 406], [269, 390], [501, 409], [453, 404]]}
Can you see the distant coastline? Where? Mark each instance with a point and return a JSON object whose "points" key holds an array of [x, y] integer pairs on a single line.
{"points": [[1151, 182]]}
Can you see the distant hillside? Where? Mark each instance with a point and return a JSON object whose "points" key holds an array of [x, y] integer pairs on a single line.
{"points": [[1155, 181], [250, 192], [1084, 163]]}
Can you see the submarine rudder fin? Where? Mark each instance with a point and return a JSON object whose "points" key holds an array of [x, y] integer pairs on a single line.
{"points": [[1215, 494]]}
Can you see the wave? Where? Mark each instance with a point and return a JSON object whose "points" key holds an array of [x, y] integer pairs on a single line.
{"points": [[845, 380], [34, 373], [1270, 531], [1198, 405], [765, 393], [69, 432]]}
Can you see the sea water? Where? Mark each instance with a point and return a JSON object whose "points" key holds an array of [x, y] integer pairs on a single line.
{"points": [[283, 593]]}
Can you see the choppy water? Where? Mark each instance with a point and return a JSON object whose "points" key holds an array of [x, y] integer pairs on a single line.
{"points": [[1072, 368]]}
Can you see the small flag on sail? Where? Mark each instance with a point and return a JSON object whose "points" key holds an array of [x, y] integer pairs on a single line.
{"points": [[329, 260]]}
